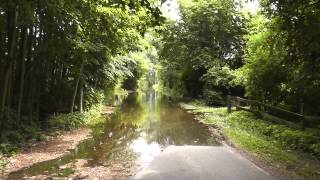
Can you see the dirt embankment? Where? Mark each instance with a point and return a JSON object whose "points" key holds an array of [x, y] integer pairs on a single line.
{"points": [[44, 151]]}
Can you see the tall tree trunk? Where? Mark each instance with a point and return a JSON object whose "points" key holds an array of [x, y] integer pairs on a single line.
{"points": [[81, 96], [31, 98], [12, 32], [76, 87], [39, 65], [10, 84], [23, 56], [32, 83]]}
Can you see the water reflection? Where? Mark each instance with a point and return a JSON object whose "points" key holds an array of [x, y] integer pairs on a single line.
{"points": [[139, 129], [146, 151]]}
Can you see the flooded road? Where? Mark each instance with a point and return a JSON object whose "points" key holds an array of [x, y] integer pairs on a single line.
{"points": [[138, 131]]}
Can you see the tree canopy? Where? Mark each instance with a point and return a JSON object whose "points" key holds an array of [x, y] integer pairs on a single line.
{"points": [[282, 56], [209, 37], [217, 48], [62, 56], [58, 56]]}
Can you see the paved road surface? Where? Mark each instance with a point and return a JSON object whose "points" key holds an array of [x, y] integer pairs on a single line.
{"points": [[201, 163]]}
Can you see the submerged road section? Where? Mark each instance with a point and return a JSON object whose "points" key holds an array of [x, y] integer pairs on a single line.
{"points": [[152, 134], [201, 163]]}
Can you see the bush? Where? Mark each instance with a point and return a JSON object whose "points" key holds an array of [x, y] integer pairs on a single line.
{"points": [[7, 148], [67, 121], [2, 163], [213, 98], [316, 149], [11, 140], [76, 119]]}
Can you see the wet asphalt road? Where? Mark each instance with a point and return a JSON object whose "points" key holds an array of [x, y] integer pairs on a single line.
{"points": [[201, 163]]}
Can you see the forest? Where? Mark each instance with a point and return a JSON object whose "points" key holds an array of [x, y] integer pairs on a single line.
{"points": [[271, 56], [62, 61], [64, 56]]}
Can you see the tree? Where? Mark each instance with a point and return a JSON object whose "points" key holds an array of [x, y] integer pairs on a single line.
{"points": [[209, 35], [282, 55], [58, 55]]}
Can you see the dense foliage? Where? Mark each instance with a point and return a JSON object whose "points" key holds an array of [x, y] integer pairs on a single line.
{"points": [[66, 56], [206, 44], [282, 58], [58, 56], [217, 48], [142, 66]]}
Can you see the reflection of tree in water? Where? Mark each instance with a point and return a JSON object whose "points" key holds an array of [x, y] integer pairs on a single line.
{"points": [[112, 145], [155, 121], [167, 124], [131, 111], [175, 127], [161, 121], [109, 143], [119, 131]]}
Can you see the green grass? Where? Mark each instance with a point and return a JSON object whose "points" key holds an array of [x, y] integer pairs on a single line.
{"points": [[293, 152]]}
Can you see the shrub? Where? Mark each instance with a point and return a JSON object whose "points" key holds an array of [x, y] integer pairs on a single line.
{"points": [[76, 119], [2, 163], [214, 98], [67, 121], [316, 149]]}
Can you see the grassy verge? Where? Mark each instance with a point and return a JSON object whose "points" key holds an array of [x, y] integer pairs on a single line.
{"points": [[293, 152]]}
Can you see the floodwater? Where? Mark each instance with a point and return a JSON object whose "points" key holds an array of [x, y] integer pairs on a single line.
{"points": [[141, 127]]}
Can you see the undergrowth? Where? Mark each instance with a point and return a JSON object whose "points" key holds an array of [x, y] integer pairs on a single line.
{"points": [[76, 119], [25, 135], [293, 151], [2, 162]]}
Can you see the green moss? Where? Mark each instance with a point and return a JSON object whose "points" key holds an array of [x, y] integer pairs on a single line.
{"points": [[292, 151]]}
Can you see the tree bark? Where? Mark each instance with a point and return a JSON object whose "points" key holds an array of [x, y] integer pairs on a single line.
{"points": [[23, 56], [76, 87], [12, 32], [31, 83], [81, 97]]}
